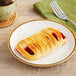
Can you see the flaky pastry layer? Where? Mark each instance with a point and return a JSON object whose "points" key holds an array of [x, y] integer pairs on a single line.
{"points": [[41, 44]]}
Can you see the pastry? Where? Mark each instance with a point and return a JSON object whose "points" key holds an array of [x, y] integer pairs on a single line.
{"points": [[41, 44]]}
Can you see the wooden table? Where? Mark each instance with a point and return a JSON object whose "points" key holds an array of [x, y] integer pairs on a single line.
{"points": [[9, 66]]}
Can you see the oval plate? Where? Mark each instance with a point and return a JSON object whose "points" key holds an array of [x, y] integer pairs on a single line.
{"points": [[28, 28]]}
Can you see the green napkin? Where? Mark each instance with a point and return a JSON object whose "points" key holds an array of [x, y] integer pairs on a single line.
{"points": [[68, 6]]}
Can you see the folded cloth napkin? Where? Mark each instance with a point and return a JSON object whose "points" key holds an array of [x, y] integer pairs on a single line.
{"points": [[68, 6]]}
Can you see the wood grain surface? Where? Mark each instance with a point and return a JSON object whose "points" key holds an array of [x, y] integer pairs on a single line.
{"points": [[9, 66]]}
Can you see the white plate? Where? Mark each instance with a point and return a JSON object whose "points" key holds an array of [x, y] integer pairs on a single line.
{"points": [[28, 28]]}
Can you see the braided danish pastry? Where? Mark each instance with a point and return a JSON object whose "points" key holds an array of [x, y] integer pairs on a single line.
{"points": [[41, 44]]}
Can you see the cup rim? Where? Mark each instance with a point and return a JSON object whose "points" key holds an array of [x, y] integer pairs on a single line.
{"points": [[8, 5]]}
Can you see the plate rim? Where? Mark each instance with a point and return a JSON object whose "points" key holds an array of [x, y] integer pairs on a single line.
{"points": [[40, 65]]}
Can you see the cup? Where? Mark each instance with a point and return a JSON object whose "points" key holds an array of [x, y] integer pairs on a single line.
{"points": [[7, 9]]}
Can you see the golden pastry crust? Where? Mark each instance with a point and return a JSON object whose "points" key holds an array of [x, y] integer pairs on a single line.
{"points": [[20, 48], [56, 32], [41, 44], [50, 36], [37, 44]]}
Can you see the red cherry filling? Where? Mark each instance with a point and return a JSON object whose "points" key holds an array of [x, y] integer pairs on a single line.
{"points": [[55, 36], [29, 50], [63, 35], [47, 37]]}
